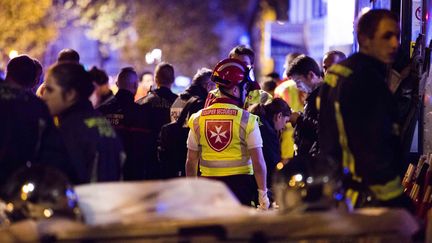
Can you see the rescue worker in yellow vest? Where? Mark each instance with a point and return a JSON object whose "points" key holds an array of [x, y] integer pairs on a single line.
{"points": [[225, 139]]}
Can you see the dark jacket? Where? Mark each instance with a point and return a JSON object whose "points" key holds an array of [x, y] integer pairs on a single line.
{"points": [[28, 134], [306, 128], [130, 122], [271, 147], [158, 102], [358, 128], [104, 98], [306, 139], [92, 144]]}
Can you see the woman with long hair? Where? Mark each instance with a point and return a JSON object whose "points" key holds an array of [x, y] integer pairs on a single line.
{"points": [[273, 118]]}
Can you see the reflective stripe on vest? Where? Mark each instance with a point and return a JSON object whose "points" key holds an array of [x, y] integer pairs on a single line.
{"points": [[242, 132], [234, 159], [224, 163], [348, 161], [388, 191], [197, 132], [385, 192]]}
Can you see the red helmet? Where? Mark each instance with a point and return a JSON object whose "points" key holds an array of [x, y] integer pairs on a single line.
{"points": [[229, 73]]}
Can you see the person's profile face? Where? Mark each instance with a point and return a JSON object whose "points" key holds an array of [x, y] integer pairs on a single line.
{"points": [[209, 85], [280, 121], [147, 81], [385, 42], [302, 83], [54, 96], [328, 61]]}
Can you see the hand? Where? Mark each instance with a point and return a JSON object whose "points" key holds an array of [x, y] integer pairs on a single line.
{"points": [[264, 202]]}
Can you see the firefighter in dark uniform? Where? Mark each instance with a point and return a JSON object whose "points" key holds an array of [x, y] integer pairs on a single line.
{"points": [[93, 147], [359, 136], [27, 133], [161, 98], [158, 103], [130, 123]]}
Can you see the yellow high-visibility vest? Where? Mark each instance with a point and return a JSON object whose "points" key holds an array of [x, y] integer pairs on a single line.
{"points": [[221, 131], [288, 91], [291, 95], [287, 142]]}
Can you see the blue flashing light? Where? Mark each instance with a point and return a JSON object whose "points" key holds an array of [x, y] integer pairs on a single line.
{"points": [[338, 196], [161, 207], [72, 198], [70, 193], [244, 39], [346, 171]]}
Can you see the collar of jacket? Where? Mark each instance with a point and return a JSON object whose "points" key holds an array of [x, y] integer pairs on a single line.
{"points": [[161, 90], [224, 100], [84, 105], [107, 95], [125, 95], [195, 90], [312, 95], [372, 62], [267, 122]]}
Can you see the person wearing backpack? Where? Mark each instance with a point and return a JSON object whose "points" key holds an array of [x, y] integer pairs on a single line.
{"points": [[200, 86], [172, 138]]}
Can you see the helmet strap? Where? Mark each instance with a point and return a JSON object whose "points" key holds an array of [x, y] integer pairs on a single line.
{"points": [[242, 90], [238, 99]]}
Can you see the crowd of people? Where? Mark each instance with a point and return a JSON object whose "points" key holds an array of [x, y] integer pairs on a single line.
{"points": [[226, 126]]}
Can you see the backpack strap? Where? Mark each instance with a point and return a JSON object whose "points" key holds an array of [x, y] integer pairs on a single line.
{"points": [[184, 113]]}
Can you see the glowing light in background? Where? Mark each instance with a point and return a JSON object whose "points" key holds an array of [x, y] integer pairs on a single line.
{"points": [[182, 81], [340, 23], [364, 10], [154, 56], [279, 166], [13, 54], [48, 212], [26, 189], [298, 177], [244, 39], [29, 187], [9, 207], [157, 54], [149, 59]]}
